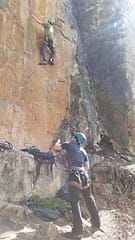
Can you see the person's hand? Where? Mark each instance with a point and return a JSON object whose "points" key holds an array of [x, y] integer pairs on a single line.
{"points": [[57, 145], [58, 141]]}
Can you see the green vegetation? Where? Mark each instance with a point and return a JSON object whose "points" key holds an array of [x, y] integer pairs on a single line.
{"points": [[49, 202], [50, 208]]}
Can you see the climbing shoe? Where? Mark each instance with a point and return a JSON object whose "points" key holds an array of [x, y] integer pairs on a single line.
{"points": [[51, 61], [42, 63]]}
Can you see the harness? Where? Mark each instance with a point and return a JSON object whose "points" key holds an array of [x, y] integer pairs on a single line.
{"points": [[45, 39], [78, 177]]}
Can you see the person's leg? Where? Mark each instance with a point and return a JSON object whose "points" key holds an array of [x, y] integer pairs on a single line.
{"points": [[92, 208], [52, 49], [43, 53], [75, 206]]}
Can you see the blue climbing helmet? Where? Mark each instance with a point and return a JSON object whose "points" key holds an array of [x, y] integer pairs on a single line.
{"points": [[51, 21], [81, 138]]}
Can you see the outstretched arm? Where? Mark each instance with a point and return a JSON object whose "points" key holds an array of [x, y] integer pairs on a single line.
{"points": [[36, 19]]}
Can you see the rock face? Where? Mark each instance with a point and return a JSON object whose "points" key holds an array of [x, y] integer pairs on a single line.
{"points": [[107, 37], [40, 103], [90, 88], [17, 174], [36, 100], [91, 85], [33, 98], [25, 225]]}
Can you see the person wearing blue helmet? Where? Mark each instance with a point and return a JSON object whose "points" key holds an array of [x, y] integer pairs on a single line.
{"points": [[79, 182]]}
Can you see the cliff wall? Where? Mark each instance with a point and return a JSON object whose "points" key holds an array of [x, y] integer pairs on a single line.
{"points": [[94, 67], [33, 98], [107, 35], [90, 88]]}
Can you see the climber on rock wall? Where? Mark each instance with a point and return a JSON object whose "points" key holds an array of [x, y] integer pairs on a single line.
{"points": [[47, 40]]}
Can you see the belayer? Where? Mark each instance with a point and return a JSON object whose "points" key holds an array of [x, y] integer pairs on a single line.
{"points": [[79, 182], [47, 40]]}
